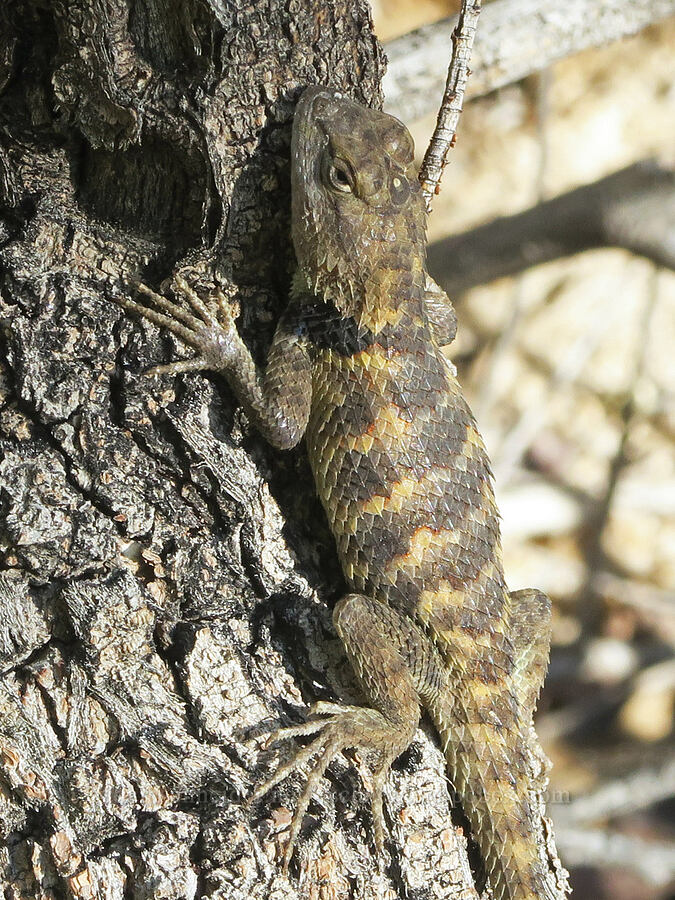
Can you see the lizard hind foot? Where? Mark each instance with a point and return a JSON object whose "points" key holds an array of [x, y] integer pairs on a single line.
{"points": [[342, 727]]}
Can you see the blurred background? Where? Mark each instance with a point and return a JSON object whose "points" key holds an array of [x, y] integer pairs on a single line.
{"points": [[570, 369]]}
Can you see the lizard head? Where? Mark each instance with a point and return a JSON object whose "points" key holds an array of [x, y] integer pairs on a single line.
{"points": [[358, 212]]}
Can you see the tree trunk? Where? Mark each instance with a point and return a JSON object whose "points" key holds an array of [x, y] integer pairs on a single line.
{"points": [[167, 578]]}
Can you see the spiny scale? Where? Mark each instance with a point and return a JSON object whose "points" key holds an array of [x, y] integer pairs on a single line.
{"points": [[405, 482]]}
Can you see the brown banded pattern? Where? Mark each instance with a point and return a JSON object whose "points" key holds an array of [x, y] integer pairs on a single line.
{"points": [[406, 483]]}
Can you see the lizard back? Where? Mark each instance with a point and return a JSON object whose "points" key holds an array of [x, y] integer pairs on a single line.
{"points": [[405, 481], [404, 477], [399, 465]]}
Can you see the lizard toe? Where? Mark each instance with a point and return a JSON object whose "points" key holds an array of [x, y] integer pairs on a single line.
{"points": [[344, 727]]}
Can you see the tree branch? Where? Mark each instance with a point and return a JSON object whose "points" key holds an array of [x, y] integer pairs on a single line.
{"points": [[453, 98], [516, 38], [633, 208], [652, 861]]}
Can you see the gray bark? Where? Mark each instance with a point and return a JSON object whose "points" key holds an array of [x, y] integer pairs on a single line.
{"points": [[166, 578]]}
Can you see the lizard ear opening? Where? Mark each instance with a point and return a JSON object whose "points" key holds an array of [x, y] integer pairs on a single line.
{"points": [[337, 174]]}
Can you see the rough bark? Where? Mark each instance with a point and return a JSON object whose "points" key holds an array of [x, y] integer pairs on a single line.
{"points": [[167, 578]]}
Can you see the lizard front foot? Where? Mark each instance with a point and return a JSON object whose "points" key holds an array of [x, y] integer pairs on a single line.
{"points": [[208, 328], [342, 727]]}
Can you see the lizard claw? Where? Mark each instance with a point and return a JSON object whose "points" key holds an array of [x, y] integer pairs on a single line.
{"points": [[208, 328], [343, 727]]}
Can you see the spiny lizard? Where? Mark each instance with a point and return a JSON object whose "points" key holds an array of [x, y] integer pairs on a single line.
{"points": [[404, 478]]}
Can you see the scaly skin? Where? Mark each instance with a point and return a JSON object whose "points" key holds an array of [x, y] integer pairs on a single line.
{"points": [[404, 479]]}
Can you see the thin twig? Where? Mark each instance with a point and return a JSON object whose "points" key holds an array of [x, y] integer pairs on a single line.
{"points": [[520, 436], [591, 606], [453, 98]]}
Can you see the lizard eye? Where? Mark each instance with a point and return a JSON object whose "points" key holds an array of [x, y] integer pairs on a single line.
{"points": [[338, 175], [399, 190]]}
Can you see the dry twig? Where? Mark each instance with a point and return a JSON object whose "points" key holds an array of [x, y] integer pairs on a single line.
{"points": [[451, 106]]}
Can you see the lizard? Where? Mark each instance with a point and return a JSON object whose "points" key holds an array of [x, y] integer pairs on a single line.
{"points": [[356, 368]]}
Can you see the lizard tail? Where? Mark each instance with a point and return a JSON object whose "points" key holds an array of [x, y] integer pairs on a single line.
{"points": [[487, 768]]}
